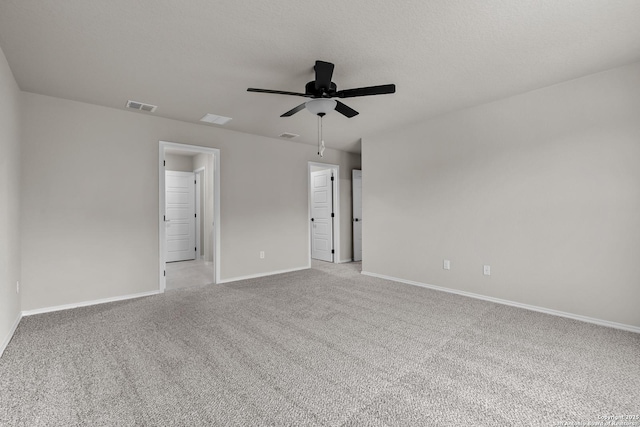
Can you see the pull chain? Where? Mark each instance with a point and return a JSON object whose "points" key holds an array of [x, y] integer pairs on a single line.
{"points": [[320, 140], [319, 132]]}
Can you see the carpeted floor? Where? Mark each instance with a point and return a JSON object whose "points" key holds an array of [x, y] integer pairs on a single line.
{"points": [[186, 274], [325, 347]]}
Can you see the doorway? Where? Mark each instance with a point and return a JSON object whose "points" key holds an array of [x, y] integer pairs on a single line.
{"points": [[197, 231], [324, 212]]}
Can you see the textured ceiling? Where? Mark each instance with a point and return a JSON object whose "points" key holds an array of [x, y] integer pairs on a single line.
{"points": [[195, 57]]}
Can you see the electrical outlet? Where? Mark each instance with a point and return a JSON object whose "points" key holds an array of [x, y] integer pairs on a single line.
{"points": [[261, 254], [487, 270], [17, 287], [446, 264]]}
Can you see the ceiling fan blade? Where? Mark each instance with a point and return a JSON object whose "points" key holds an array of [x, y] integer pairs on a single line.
{"points": [[345, 110], [366, 91], [277, 92], [324, 73], [294, 110]]}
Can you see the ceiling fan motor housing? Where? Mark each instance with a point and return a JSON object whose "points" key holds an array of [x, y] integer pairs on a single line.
{"points": [[310, 89]]}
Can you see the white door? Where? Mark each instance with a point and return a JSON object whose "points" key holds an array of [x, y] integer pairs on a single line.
{"points": [[321, 215], [180, 216], [356, 180]]}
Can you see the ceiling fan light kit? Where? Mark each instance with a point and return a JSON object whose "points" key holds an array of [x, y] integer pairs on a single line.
{"points": [[320, 106], [321, 91]]}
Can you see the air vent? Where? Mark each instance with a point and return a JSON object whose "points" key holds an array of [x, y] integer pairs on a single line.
{"points": [[215, 119], [141, 106], [288, 135]]}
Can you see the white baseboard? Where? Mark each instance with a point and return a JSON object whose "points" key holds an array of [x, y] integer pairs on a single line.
{"points": [[587, 319], [255, 276], [343, 261], [87, 303], [12, 331]]}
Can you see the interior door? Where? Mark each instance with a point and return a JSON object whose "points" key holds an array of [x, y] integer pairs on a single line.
{"points": [[180, 216], [321, 219], [356, 180]]}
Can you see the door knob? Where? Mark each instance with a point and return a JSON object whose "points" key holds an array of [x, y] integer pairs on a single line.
{"points": [[311, 219], [356, 219]]}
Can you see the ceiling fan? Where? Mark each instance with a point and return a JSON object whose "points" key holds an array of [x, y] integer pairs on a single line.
{"points": [[322, 90]]}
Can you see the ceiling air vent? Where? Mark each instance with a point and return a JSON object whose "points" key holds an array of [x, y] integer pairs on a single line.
{"points": [[141, 106], [215, 119], [288, 135]]}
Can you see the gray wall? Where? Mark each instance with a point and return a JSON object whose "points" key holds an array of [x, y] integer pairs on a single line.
{"points": [[178, 162], [90, 227], [544, 187], [9, 200], [206, 161]]}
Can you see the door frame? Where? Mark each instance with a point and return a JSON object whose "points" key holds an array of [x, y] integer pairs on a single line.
{"points": [[198, 174], [336, 208], [162, 238], [355, 172]]}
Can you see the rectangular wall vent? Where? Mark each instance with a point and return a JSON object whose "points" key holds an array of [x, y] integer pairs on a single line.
{"points": [[141, 106], [288, 135], [215, 119]]}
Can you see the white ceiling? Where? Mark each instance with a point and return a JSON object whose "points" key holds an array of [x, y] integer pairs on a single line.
{"points": [[199, 56]]}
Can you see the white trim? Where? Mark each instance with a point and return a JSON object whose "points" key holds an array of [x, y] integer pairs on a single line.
{"points": [[161, 220], [255, 276], [354, 174], [12, 331], [216, 215], [344, 261], [552, 312], [197, 174], [336, 208], [163, 145], [88, 303]]}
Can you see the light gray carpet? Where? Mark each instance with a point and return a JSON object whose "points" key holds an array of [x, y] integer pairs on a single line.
{"points": [[325, 346], [185, 274]]}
